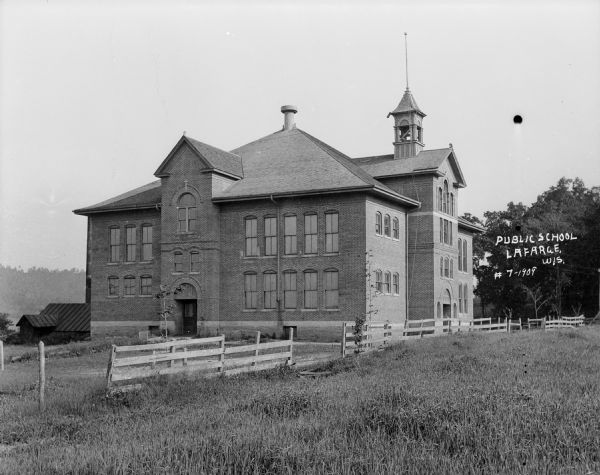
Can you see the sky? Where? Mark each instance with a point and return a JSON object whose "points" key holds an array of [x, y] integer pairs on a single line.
{"points": [[94, 95]]}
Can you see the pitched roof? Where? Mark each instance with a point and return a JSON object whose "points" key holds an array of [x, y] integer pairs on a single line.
{"points": [[147, 196], [38, 321], [290, 162], [407, 104], [469, 226], [214, 158], [427, 161], [70, 317]]}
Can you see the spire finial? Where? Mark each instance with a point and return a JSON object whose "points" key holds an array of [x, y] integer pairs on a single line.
{"points": [[406, 57]]}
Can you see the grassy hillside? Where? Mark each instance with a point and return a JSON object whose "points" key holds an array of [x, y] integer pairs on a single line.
{"points": [[468, 403], [28, 292]]}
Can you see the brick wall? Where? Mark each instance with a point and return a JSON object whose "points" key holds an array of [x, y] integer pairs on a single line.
{"points": [[140, 311]]}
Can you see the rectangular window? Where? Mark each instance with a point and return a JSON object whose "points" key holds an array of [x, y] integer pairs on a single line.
{"points": [[194, 261], [146, 242], [331, 232], [289, 290], [130, 243], [331, 289], [441, 230], [445, 231], [310, 290], [290, 235], [191, 219], [396, 228], [251, 237], [181, 220], [115, 244], [113, 286], [378, 281], [146, 285], [270, 290], [129, 285], [250, 292], [270, 236], [310, 234], [396, 283], [178, 262]]}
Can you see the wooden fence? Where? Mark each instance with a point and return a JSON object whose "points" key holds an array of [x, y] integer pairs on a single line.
{"points": [[135, 362], [564, 322]]}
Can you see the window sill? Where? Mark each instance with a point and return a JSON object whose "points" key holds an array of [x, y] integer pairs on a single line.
{"points": [[112, 296], [311, 254], [309, 309], [129, 296], [113, 263], [332, 309], [291, 255], [268, 309], [177, 273], [330, 254], [145, 296]]}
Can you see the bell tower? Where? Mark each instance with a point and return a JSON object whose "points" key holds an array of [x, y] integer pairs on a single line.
{"points": [[408, 122]]}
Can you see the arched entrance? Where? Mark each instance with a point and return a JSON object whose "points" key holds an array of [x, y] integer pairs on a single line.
{"points": [[187, 309], [446, 304]]}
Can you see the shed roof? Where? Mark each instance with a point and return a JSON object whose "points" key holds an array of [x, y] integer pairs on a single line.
{"points": [[38, 321], [70, 317]]}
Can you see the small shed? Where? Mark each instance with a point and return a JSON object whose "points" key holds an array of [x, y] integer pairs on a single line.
{"points": [[58, 321]]}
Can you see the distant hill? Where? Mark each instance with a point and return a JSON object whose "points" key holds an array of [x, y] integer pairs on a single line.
{"points": [[28, 292]]}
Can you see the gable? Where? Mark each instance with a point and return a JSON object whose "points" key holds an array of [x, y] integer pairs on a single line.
{"points": [[198, 156]]}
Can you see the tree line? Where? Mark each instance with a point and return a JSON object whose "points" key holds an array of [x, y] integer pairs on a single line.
{"points": [[29, 291], [548, 259]]}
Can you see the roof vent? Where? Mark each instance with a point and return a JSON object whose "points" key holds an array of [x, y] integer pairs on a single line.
{"points": [[288, 117]]}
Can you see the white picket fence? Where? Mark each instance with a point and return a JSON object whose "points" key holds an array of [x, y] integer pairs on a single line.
{"points": [[135, 362]]}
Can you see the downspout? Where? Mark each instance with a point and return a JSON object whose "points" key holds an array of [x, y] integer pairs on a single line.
{"points": [[406, 268], [279, 315]]}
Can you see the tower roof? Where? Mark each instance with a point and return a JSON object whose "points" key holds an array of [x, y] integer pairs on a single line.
{"points": [[407, 104]]}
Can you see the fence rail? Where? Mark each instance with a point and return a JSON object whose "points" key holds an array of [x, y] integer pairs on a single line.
{"points": [[135, 362], [376, 335]]}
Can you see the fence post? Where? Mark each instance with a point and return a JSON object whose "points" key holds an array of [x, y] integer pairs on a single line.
{"points": [[222, 355], [1, 355], [257, 347], [42, 375], [109, 369], [544, 323], [184, 359], [289, 360], [344, 340], [153, 362], [171, 350]]}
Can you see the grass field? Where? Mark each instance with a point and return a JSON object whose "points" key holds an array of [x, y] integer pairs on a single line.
{"points": [[527, 402]]}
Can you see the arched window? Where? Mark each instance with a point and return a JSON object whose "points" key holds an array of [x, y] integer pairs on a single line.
{"points": [[451, 268], [466, 298], [439, 199], [332, 231], [270, 289], [450, 226], [194, 261], [129, 285], [310, 233], [446, 267], [460, 298], [454, 311], [445, 196], [250, 291], [452, 204], [386, 225], [113, 286], [460, 254], [465, 267], [270, 236], [178, 261], [146, 285], [186, 213], [378, 223], [331, 289], [251, 225], [378, 281], [290, 292], [310, 289], [439, 310], [396, 283], [441, 267], [396, 228], [387, 283]]}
